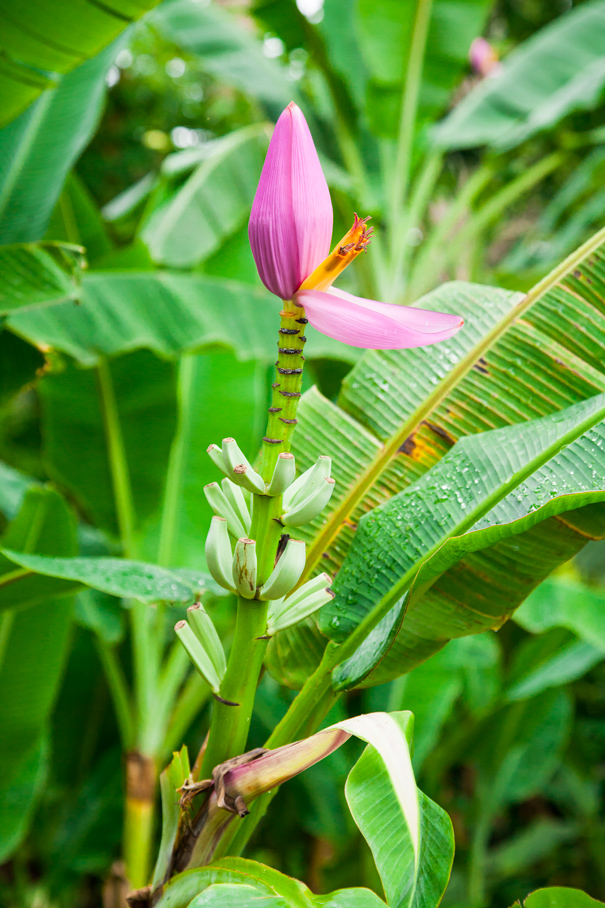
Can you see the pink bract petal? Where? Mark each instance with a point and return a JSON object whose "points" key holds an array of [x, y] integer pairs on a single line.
{"points": [[373, 325], [291, 220]]}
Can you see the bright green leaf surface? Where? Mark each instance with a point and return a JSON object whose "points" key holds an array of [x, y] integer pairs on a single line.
{"points": [[412, 873], [211, 205], [119, 577], [38, 274], [38, 149], [43, 39], [560, 897], [462, 493], [168, 314], [559, 69], [563, 602]]}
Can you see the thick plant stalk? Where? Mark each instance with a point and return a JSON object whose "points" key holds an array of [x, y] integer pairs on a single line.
{"points": [[233, 709], [141, 780]]}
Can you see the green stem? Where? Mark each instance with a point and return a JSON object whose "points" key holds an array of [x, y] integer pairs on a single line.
{"points": [[118, 689], [286, 388], [141, 772], [118, 463], [477, 858], [428, 261], [152, 739], [316, 688], [501, 201], [230, 723], [423, 190], [407, 124], [174, 480], [6, 626], [146, 670], [229, 726]]}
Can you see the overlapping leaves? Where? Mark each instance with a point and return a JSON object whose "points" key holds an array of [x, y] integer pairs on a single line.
{"points": [[517, 358]]}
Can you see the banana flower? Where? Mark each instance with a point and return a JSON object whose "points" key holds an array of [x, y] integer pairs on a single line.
{"points": [[290, 231]]}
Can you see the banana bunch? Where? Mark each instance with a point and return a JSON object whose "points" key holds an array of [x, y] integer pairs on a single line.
{"points": [[303, 498], [234, 567]]}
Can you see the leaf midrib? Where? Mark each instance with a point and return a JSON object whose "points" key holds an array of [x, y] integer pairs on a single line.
{"points": [[384, 605], [333, 524]]}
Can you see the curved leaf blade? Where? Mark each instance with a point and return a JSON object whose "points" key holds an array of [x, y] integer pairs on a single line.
{"points": [[212, 203], [457, 495], [559, 69], [43, 39], [38, 274], [119, 577], [167, 313]]}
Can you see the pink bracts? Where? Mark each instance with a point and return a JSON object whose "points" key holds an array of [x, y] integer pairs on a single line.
{"points": [[290, 230]]}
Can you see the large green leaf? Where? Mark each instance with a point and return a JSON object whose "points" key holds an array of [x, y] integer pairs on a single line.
{"points": [[237, 881], [44, 524], [564, 602], [118, 577], [386, 42], [516, 358], [557, 70], [168, 313], [34, 640], [461, 522], [38, 274], [560, 897], [38, 149], [413, 872], [44, 39], [227, 49], [74, 408], [217, 396], [18, 797], [20, 363], [212, 203]]}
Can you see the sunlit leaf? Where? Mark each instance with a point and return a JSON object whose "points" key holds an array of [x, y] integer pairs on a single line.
{"points": [[524, 475], [38, 149], [42, 40]]}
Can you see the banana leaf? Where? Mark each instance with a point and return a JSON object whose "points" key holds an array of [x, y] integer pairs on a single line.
{"points": [[517, 358]]}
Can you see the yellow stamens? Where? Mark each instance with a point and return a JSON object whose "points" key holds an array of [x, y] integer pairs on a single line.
{"points": [[352, 243]]}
